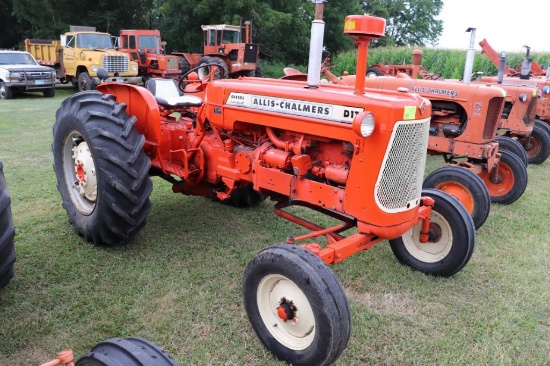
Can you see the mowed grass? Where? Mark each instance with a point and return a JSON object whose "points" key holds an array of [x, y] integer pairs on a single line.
{"points": [[178, 283]]}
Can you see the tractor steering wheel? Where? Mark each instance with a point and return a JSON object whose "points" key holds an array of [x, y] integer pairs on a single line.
{"points": [[206, 79]]}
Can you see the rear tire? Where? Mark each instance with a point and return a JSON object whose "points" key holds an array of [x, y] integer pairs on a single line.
{"points": [[7, 233], [510, 182], [218, 74], [466, 187], [296, 305], [509, 144], [537, 146], [101, 168], [451, 243], [126, 352]]}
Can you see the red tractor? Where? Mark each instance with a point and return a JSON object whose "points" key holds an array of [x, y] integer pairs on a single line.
{"points": [[356, 156], [224, 47], [146, 48]]}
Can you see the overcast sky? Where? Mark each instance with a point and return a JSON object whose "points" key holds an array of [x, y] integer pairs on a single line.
{"points": [[507, 25]]}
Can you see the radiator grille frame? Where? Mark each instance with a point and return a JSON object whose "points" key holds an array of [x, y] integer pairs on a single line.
{"points": [[115, 63]]}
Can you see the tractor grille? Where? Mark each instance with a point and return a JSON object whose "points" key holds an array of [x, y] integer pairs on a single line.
{"points": [[399, 184], [494, 112], [115, 63], [530, 114]]}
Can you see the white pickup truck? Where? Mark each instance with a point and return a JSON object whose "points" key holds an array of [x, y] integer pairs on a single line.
{"points": [[19, 72]]}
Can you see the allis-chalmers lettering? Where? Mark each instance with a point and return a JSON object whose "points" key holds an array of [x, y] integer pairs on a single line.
{"points": [[424, 89]]}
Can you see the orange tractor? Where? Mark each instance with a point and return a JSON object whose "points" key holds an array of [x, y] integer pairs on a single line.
{"points": [[356, 156], [223, 46], [146, 48]]}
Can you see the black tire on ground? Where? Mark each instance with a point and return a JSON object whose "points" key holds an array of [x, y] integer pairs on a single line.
{"points": [[5, 91], [184, 65], [509, 144], [126, 352], [7, 233], [259, 72], [466, 187], [85, 82], [101, 168], [288, 282], [451, 242], [537, 146], [218, 74], [49, 93], [542, 124], [244, 197], [373, 72], [510, 182]]}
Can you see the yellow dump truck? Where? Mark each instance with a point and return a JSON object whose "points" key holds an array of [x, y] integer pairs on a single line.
{"points": [[78, 54]]}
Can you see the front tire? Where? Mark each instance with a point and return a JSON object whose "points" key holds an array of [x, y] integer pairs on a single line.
{"points": [[126, 352], [466, 187], [510, 181], [49, 93], [537, 146], [85, 82], [451, 242], [7, 233], [509, 144], [5, 91], [101, 168], [296, 305]]}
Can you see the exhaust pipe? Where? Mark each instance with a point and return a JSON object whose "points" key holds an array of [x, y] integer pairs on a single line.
{"points": [[470, 54], [316, 46], [501, 64]]}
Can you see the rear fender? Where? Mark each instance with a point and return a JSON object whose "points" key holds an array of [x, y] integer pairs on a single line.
{"points": [[140, 103]]}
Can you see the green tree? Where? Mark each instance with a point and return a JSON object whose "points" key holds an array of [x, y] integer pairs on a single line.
{"points": [[408, 23]]}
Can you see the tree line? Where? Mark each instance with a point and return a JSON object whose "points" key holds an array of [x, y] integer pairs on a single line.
{"points": [[282, 28]]}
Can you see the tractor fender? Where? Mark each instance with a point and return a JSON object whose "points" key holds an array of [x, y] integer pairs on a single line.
{"points": [[139, 103]]}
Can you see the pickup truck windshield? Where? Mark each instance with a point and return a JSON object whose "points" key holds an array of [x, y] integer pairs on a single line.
{"points": [[16, 58], [94, 41]]}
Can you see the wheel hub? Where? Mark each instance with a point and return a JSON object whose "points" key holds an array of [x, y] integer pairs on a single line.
{"points": [[286, 310], [84, 169]]}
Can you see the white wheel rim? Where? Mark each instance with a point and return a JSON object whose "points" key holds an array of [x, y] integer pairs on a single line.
{"points": [[430, 252], [80, 173], [295, 335]]}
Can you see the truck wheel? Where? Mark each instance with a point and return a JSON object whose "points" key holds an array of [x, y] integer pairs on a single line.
{"points": [[373, 72], [49, 93], [85, 82], [101, 168], [5, 91], [451, 239], [7, 233], [510, 180], [537, 146], [204, 71], [509, 144], [466, 187], [296, 305], [127, 352]]}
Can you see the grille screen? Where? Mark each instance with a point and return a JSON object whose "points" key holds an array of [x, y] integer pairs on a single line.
{"points": [[493, 116], [38, 75], [399, 184], [529, 116], [115, 63]]}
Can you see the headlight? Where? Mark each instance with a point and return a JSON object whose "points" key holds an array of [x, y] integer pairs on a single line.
{"points": [[14, 76], [523, 98], [546, 89], [363, 124], [94, 68], [134, 68]]}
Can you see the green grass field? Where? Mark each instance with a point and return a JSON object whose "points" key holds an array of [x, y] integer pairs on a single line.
{"points": [[178, 283]]}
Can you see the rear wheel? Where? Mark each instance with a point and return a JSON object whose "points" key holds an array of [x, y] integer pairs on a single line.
{"points": [[537, 146], [5, 91], [451, 239], [466, 187], [509, 144], [508, 183], [101, 168], [126, 352], [7, 233], [222, 72], [296, 305]]}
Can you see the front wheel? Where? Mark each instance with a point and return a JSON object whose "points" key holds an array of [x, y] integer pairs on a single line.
{"points": [[537, 145], [85, 82], [7, 233], [466, 187], [101, 168], [451, 239], [5, 91], [49, 93], [509, 144], [507, 184], [296, 305], [126, 352]]}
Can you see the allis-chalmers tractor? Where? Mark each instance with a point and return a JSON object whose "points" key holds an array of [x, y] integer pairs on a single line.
{"points": [[223, 47], [355, 155], [146, 48]]}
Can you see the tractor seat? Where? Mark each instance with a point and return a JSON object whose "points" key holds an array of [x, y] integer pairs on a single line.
{"points": [[167, 94]]}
